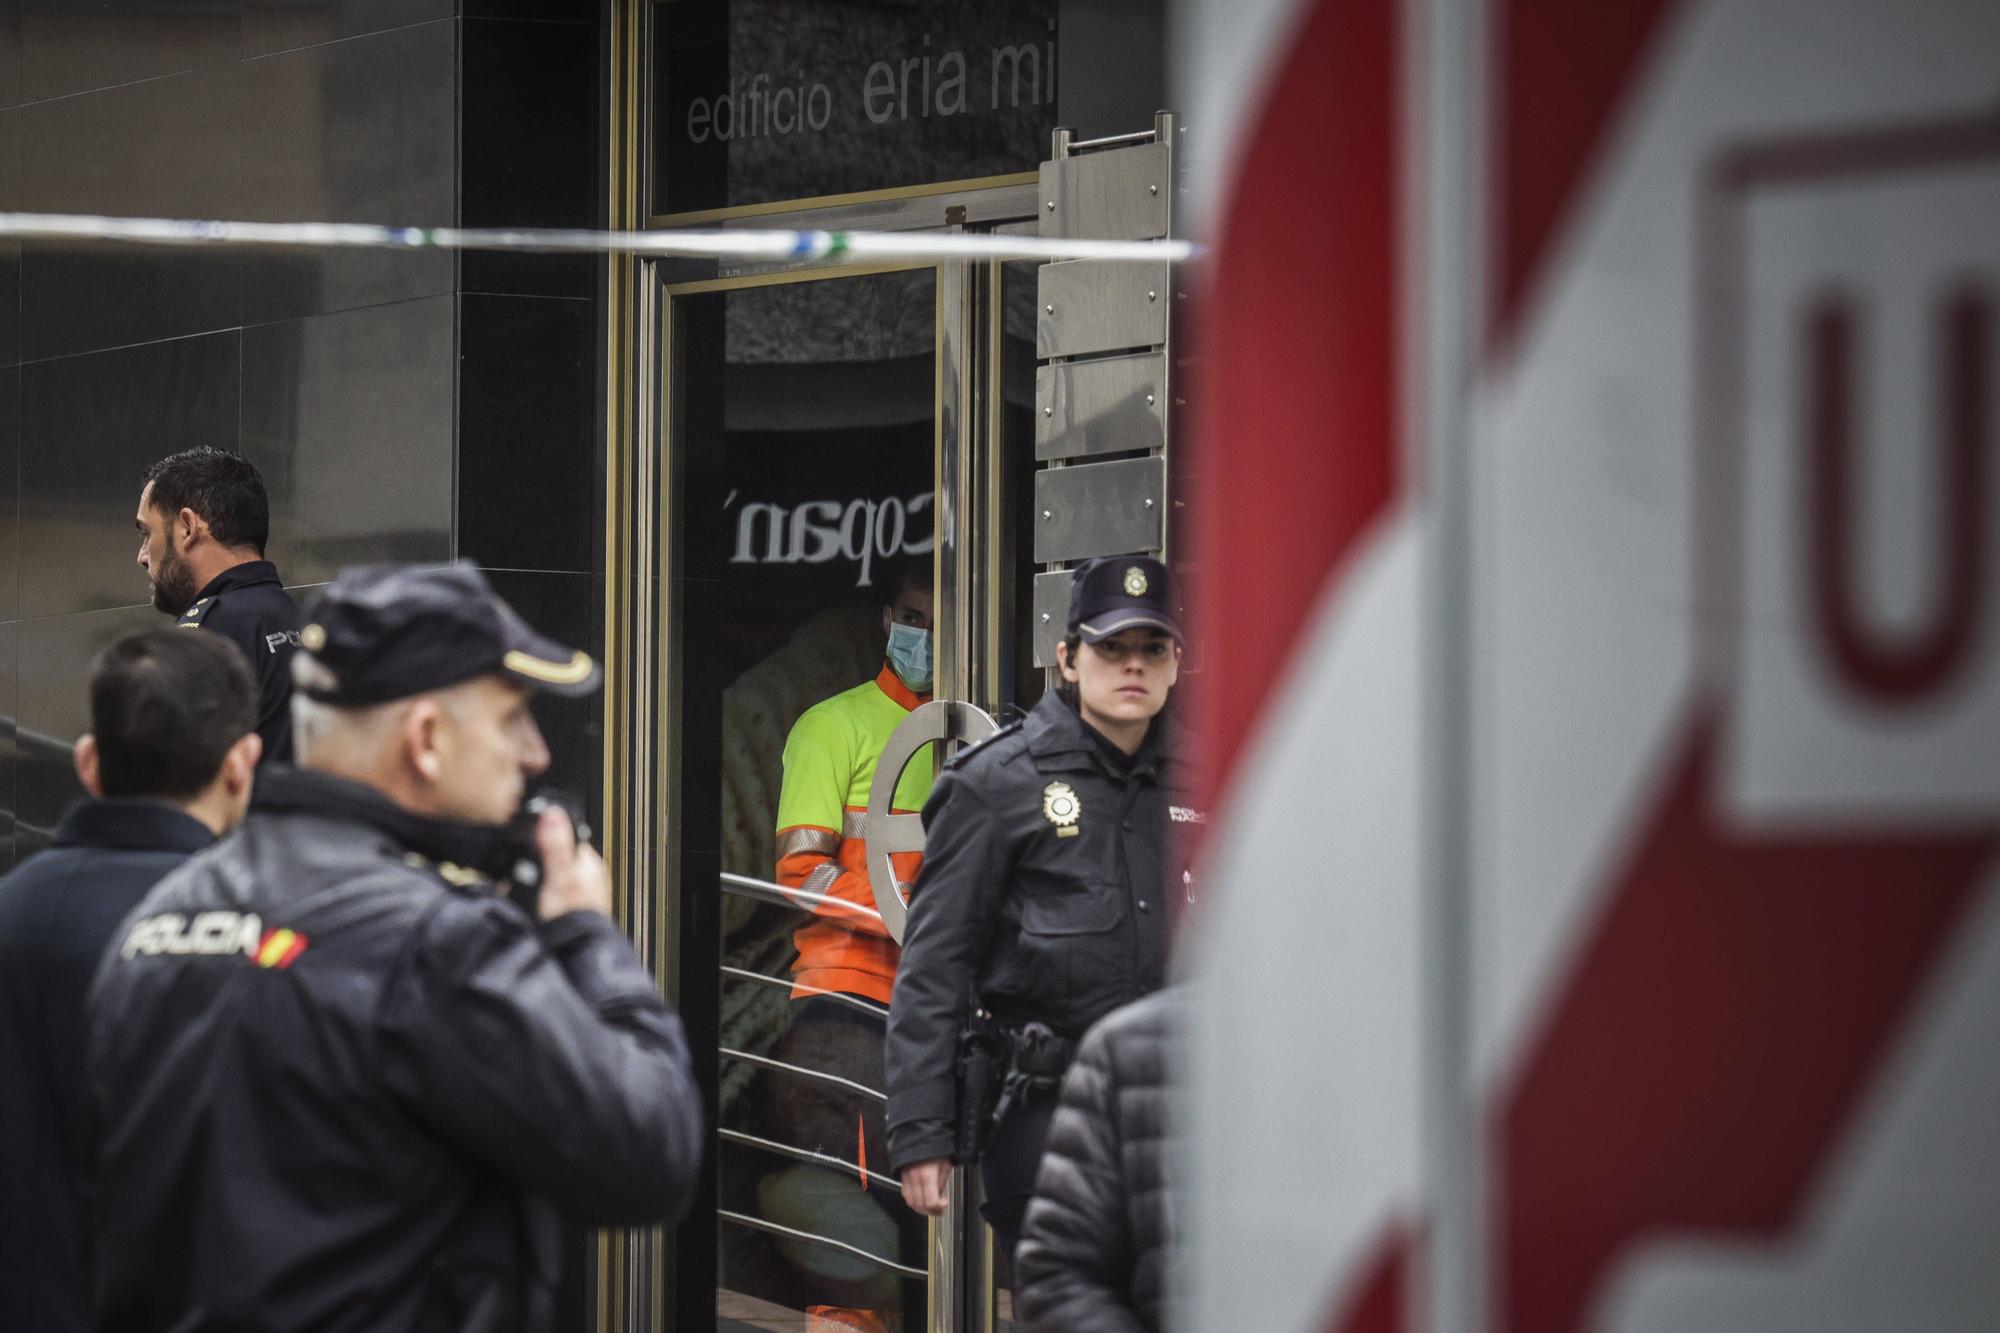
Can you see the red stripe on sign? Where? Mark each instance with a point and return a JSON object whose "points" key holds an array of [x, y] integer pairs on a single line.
{"points": [[1378, 1300], [1714, 1037], [1564, 67], [1296, 447]]}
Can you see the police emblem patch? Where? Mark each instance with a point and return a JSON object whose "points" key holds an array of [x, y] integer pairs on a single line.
{"points": [[1061, 807], [1135, 582]]}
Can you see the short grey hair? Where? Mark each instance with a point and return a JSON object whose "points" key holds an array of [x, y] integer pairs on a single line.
{"points": [[348, 737], [334, 735]]}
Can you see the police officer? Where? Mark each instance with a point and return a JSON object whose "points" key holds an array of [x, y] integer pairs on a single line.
{"points": [[338, 1080], [1040, 896], [203, 521]]}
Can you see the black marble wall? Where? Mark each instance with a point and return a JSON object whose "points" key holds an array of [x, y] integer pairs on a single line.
{"points": [[402, 406], [530, 373]]}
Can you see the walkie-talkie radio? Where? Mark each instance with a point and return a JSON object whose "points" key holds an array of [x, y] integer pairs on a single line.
{"points": [[524, 873]]}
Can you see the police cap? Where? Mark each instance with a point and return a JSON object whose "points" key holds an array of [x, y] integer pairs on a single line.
{"points": [[1121, 592], [386, 632]]}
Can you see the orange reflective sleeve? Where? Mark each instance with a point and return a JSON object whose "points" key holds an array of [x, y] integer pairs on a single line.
{"points": [[822, 761], [818, 873]]}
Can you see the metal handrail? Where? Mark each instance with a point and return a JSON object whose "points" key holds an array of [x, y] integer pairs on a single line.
{"points": [[818, 992], [1110, 140], [731, 1053], [759, 1224], [765, 891], [808, 1155]]}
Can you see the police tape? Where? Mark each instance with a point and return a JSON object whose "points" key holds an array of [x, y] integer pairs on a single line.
{"points": [[774, 245]]}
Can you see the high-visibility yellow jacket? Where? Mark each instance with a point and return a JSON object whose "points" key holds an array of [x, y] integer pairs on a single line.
{"points": [[829, 767]]}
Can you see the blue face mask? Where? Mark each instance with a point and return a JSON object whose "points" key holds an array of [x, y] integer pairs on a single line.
{"points": [[910, 654]]}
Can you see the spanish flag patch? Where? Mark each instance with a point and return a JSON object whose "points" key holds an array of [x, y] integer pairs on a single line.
{"points": [[280, 947]]}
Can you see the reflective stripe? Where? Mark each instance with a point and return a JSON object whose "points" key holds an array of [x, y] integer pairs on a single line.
{"points": [[814, 841], [854, 823], [821, 879]]}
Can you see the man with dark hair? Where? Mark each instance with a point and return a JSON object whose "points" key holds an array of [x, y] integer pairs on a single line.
{"points": [[203, 523], [168, 765], [338, 1080]]}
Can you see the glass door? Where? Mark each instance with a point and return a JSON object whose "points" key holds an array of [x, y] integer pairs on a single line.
{"points": [[847, 455], [804, 435]]}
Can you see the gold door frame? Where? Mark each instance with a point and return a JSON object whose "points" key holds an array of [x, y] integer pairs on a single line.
{"points": [[643, 631], [646, 639], [947, 441]]}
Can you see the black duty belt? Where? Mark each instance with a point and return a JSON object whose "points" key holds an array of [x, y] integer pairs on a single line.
{"points": [[998, 1069]]}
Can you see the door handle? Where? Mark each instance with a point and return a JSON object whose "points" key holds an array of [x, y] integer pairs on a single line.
{"points": [[948, 720]]}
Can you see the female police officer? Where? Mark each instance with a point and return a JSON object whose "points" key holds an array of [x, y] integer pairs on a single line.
{"points": [[1040, 896]]}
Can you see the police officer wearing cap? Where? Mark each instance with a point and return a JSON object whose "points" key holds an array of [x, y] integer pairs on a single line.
{"points": [[338, 1079], [1040, 899]]}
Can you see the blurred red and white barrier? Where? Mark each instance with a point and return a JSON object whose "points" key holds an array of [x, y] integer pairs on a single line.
{"points": [[1733, 801]]}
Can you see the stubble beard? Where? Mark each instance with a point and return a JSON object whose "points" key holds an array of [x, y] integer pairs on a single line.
{"points": [[173, 583]]}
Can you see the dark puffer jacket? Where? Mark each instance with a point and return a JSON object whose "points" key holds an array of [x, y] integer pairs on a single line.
{"points": [[1096, 1242]]}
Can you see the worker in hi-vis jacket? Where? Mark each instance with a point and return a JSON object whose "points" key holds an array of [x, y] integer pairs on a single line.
{"points": [[845, 971]]}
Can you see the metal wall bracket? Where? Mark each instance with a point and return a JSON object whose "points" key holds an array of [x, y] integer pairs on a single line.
{"points": [[1102, 340]]}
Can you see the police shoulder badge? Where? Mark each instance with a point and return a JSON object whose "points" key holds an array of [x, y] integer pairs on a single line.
{"points": [[1061, 807], [1135, 582]]}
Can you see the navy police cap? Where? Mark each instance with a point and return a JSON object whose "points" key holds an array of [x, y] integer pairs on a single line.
{"points": [[386, 632], [1121, 592]]}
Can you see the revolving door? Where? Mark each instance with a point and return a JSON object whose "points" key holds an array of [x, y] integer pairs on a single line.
{"points": [[828, 437], [832, 461]]}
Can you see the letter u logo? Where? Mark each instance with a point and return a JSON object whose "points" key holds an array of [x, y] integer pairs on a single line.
{"points": [[1902, 668]]}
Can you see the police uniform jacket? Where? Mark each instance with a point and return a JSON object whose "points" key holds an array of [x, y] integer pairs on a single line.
{"points": [[248, 605], [1045, 864], [56, 913], [340, 1083]]}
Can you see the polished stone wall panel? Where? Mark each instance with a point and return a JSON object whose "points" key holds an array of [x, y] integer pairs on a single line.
{"points": [[10, 251], [81, 299], [350, 418], [168, 147], [73, 46], [547, 11], [53, 704], [569, 608], [355, 131], [285, 25], [10, 493], [10, 52], [9, 764], [529, 108], [90, 425], [1123, 43], [528, 452]]}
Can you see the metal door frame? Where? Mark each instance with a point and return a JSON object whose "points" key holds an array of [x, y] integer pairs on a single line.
{"points": [[646, 638], [643, 630]]}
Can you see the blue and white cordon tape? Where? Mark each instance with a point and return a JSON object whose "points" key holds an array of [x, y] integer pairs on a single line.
{"points": [[833, 247]]}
